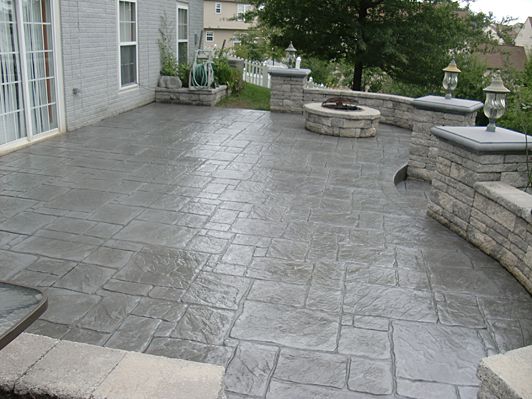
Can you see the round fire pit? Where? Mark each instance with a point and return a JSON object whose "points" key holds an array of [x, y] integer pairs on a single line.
{"points": [[339, 121]]}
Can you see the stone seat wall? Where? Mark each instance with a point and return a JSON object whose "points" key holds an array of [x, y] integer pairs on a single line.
{"points": [[205, 97]]}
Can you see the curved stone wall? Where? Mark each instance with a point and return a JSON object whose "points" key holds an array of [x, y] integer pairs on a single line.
{"points": [[395, 110]]}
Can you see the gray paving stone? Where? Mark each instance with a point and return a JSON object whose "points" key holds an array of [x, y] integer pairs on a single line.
{"points": [[126, 287], [25, 223], [12, 263], [258, 227], [115, 213], [85, 278], [159, 309], [371, 376], [419, 389], [311, 368], [34, 279], [134, 334], [109, 313], [85, 336], [66, 307], [360, 342], [163, 267], [55, 248], [80, 200], [169, 294], [189, 350], [52, 266], [208, 244], [10, 206], [217, 290], [71, 225], [156, 234], [329, 274], [371, 323], [459, 310], [392, 302], [277, 292], [287, 249], [205, 325], [437, 353], [250, 369], [279, 270], [324, 298], [298, 328], [52, 330], [109, 257], [239, 254], [284, 390]]}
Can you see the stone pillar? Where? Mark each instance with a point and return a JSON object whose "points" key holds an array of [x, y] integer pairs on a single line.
{"points": [[287, 89], [466, 156], [431, 111]]}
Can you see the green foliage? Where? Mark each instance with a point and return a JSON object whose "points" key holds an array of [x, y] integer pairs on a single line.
{"points": [[255, 45], [169, 66], [250, 97], [331, 74], [519, 113], [224, 74], [183, 72], [410, 40]]}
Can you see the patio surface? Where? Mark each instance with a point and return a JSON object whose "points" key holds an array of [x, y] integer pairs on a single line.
{"points": [[235, 237]]}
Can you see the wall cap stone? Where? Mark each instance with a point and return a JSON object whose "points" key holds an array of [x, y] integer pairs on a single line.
{"points": [[363, 94], [289, 72], [507, 375], [511, 198], [478, 139], [451, 106], [362, 113]]}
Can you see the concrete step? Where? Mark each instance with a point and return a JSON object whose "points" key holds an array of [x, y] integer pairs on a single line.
{"points": [[506, 376], [41, 367]]}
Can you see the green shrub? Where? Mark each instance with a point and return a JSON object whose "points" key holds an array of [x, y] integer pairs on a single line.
{"points": [[169, 65], [183, 73], [224, 74]]}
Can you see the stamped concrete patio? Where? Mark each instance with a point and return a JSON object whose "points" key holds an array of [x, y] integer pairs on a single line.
{"points": [[236, 237]]}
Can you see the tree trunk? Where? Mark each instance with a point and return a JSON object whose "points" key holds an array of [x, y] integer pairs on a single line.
{"points": [[357, 77]]}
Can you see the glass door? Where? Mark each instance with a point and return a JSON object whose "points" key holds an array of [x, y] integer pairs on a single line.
{"points": [[28, 99], [12, 118]]}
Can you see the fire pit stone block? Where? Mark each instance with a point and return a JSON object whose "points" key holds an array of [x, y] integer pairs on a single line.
{"points": [[360, 123]]}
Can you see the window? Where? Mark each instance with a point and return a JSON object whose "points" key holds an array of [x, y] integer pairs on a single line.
{"points": [[209, 36], [218, 8], [241, 10], [182, 33], [127, 16]]}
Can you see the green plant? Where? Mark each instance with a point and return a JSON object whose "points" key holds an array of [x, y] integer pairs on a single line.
{"points": [[224, 74], [169, 65], [250, 97], [183, 73]]}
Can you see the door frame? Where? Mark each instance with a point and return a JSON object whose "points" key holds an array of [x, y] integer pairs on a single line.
{"points": [[59, 83]]}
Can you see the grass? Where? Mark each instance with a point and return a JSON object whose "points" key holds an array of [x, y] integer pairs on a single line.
{"points": [[251, 97]]}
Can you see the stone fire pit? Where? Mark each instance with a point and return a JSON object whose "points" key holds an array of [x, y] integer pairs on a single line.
{"points": [[362, 122]]}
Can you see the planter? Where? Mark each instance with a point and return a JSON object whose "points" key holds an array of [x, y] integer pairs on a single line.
{"points": [[191, 96], [170, 82]]}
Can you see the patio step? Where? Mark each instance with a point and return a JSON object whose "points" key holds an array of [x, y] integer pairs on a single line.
{"points": [[41, 367], [506, 376]]}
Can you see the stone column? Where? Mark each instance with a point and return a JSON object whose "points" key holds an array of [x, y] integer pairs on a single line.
{"points": [[466, 156], [431, 111], [287, 89]]}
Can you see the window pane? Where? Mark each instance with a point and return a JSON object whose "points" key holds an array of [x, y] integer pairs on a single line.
{"points": [[182, 33], [182, 50], [127, 22], [128, 64]]}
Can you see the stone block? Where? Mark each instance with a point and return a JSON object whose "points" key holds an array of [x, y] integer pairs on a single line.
{"points": [[506, 376]]}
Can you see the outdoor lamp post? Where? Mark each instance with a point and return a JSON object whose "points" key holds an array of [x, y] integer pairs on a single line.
{"points": [[450, 79], [495, 104], [291, 56]]}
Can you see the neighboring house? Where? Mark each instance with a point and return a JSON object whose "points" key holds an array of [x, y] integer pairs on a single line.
{"points": [[68, 63], [524, 37], [503, 56], [223, 21]]}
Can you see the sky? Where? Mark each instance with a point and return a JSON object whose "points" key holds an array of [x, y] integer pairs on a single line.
{"points": [[520, 9]]}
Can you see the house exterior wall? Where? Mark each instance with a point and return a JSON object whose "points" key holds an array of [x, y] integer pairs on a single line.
{"points": [[524, 37], [90, 52], [224, 26]]}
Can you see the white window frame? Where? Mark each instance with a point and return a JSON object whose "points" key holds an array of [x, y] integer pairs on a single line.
{"points": [[211, 35], [182, 6], [218, 8], [120, 44], [241, 9]]}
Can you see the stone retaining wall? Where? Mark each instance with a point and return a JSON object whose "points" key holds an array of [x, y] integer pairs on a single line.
{"points": [[395, 110], [501, 225], [205, 97]]}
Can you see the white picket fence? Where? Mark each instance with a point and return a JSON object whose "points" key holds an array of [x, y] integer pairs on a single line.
{"points": [[256, 72]]}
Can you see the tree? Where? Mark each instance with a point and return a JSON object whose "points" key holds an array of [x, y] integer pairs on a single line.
{"points": [[410, 40]]}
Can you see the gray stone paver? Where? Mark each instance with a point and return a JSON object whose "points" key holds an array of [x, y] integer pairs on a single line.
{"points": [[237, 238]]}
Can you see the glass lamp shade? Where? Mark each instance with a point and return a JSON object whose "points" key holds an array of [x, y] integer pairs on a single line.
{"points": [[495, 104], [291, 56], [450, 79]]}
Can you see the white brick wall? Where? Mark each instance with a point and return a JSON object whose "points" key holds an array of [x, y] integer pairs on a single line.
{"points": [[90, 55]]}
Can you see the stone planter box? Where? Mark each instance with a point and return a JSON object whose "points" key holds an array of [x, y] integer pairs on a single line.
{"points": [[191, 96], [360, 123]]}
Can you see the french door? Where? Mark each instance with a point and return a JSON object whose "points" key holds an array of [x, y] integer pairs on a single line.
{"points": [[28, 95]]}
